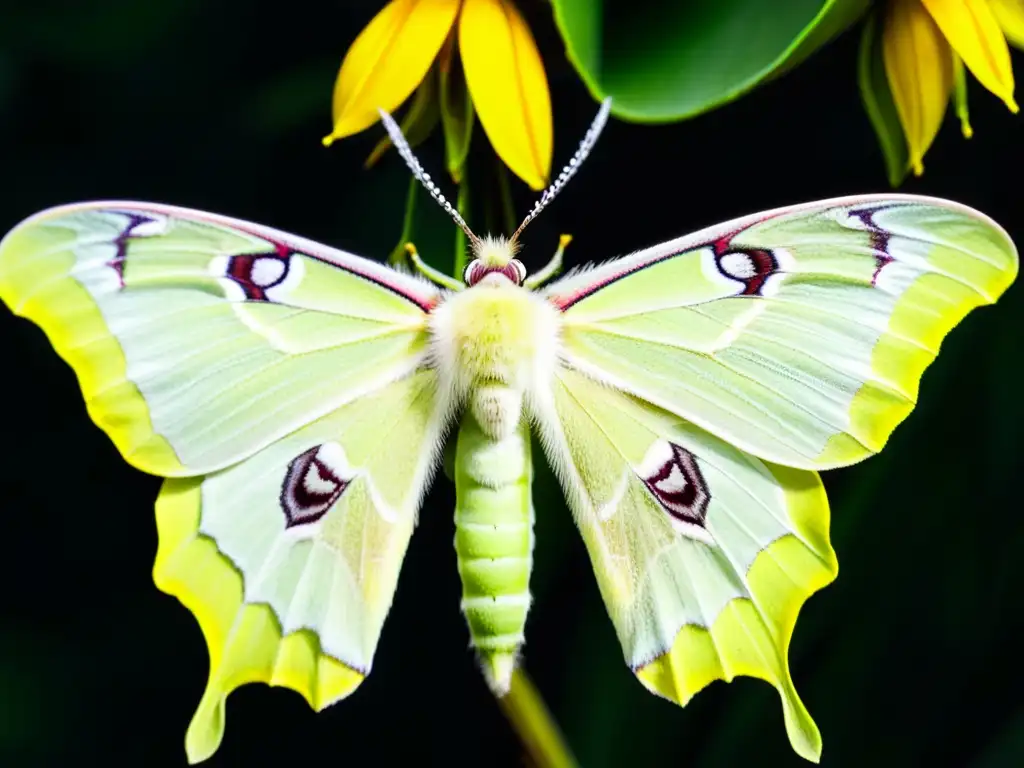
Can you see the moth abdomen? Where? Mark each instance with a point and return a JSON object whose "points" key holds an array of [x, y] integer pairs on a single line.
{"points": [[494, 541]]}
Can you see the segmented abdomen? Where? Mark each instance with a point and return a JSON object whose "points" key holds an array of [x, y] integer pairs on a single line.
{"points": [[494, 542]]}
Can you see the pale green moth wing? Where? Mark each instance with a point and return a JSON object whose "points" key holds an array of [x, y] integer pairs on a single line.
{"points": [[289, 559], [197, 339], [281, 385], [703, 380], [798, 335], [704, 554]]}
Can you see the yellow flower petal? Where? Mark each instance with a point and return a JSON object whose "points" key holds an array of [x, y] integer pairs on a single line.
{"points": [[417, 122], [388, 60], [971, 28], [1010, 15], [919, 68], [508, 86]]}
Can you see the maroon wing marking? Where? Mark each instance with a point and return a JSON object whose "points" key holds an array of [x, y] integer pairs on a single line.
{"points": [[879, 238], [135, 220], [311, 487], [256, 273], [680, 488]]}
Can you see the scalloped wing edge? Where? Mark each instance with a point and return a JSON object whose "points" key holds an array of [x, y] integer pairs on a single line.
{"points": [[750, 637], [903, 364], [244, 641], [63, 309]]}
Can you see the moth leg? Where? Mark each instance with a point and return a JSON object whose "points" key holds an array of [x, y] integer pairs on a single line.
{"points": [[433, 275], [550, 269]]}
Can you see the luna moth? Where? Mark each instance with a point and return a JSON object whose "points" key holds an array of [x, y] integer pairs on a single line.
{"points": [[297, 399]]}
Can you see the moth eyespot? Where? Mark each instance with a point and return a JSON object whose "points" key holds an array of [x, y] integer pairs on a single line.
{"points": [[267, 272], [753, 267], [739, 265], [254, 276], [673, 476], [314, 481]]}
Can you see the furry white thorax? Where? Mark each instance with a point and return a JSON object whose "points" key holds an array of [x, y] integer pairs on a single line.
{"points": [[493, 344]]}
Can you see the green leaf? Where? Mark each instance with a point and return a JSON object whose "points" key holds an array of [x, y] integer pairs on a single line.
{"points": [[671, 60], [878, 103], [833, 21]]}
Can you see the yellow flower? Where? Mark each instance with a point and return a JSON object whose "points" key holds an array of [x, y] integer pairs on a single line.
{"points": [[503, 69], [925, 44]]}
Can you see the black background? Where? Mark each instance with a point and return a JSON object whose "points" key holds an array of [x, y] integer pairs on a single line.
{"points": [[911, 657]]}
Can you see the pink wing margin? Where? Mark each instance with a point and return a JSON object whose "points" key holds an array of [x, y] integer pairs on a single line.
{"points": [[580, 284], [415, 289]]}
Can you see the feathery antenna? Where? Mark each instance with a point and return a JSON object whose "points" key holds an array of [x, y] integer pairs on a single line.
{"points": [[422, 176], [589, 140]]}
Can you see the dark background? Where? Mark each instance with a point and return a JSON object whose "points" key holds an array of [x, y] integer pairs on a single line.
{"points": [[912, 657]]}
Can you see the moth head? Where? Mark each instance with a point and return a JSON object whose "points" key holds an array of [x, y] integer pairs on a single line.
{"points": [[494, 256]]}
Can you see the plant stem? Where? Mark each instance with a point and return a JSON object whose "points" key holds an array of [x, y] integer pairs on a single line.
{"points": [[398, 256], [462, 204], [529, 716], [508, 211]]}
